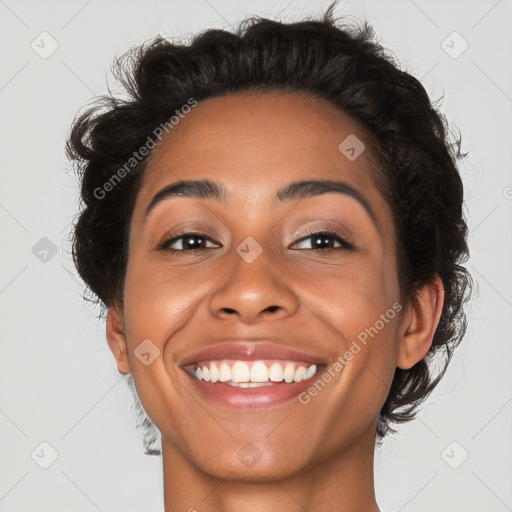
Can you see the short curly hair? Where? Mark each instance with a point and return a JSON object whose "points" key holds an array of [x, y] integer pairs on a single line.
{"points": [[325, 58]]}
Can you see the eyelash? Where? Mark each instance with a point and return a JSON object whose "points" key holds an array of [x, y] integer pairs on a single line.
{"points": [[333, 234]]}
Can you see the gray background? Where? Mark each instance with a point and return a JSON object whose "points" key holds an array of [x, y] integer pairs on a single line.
{"points": [[58, 381]]}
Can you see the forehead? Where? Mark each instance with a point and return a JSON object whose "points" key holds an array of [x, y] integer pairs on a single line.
{"points": [[256, 143]]}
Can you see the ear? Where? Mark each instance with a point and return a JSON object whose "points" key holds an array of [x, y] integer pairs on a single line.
{"points": [[419, 323], [116, 339]]}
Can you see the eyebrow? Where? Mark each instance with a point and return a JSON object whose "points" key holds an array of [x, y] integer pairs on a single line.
{"points": [[207, 189]]}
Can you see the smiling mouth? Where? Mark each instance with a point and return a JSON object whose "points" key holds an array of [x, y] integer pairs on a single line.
{"points": [[252, 374], [252, 385]]}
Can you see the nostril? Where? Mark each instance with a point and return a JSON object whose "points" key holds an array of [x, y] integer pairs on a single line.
{"points": [[271, 309], [229, 310]]}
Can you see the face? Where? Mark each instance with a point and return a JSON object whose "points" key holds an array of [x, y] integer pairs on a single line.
{"points": [[296, 292]]}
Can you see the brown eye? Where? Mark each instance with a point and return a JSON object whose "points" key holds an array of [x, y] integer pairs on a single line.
{"points": [[324, 241], [187, 242]]}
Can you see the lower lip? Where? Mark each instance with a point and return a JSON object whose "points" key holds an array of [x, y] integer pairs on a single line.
{"points": [[252, 398]]}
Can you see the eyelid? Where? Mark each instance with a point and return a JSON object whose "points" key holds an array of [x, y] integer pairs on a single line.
{"points": [[167, 241], [337, 229], [344, 241]]}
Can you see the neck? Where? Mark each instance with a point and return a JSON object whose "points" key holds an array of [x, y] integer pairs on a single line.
{"points": [[343, 483]]}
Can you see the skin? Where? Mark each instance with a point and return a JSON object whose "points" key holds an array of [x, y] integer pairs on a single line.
{"points": [[316, 456]]}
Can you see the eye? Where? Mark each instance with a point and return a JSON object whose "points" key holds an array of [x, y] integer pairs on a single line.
{"points": [[186, 243], [320, 241], [324, 241]]}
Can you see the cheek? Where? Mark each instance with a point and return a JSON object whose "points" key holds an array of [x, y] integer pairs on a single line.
{"points": [[158, 301], [351, 297], [358, 307]]}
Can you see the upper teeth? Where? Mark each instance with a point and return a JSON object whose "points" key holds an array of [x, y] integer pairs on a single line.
{"points": [[235, 372]]}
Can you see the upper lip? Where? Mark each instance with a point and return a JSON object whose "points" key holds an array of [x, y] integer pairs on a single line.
{"points": [[249, 351]]}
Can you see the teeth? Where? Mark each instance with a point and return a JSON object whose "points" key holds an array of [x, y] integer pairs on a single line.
{"points": [[253, 374], [259, 372], [309, 372], [224, 373], [249, 384], [240, 372], [289, 373], [300, 372], [275, 373], [214, 372]]}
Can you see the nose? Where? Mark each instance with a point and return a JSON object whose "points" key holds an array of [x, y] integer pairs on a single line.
{"points": [[252, 292]]}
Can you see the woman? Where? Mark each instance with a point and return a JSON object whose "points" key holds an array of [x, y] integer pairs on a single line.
{"points": [[272, 220]]}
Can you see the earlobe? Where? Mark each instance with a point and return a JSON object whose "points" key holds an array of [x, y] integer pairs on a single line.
{"points": [[117, 340], [419, 324]]}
